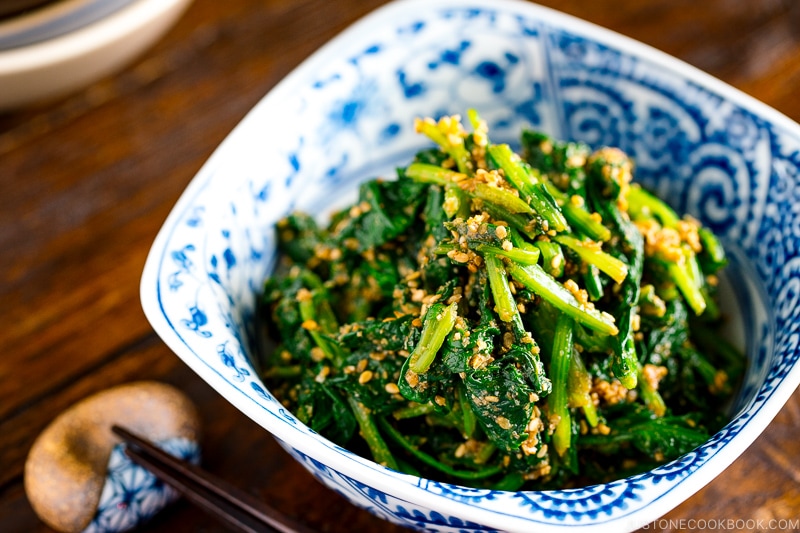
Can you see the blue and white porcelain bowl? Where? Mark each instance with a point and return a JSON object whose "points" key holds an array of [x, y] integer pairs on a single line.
{"points": [[346, 114]]}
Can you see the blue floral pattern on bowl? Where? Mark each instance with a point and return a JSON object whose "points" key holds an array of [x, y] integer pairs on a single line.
{"points": [[132, 495], [346, 115]]}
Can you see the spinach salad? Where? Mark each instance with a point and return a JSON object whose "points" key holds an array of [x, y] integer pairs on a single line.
{"points": [[502, 320]]}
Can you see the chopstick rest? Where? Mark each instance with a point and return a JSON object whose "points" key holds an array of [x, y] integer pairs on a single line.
{"points": [[213, 494], [77, 475]]}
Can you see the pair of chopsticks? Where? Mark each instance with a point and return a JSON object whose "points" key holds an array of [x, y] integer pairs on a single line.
{"points": [[238, 508]]}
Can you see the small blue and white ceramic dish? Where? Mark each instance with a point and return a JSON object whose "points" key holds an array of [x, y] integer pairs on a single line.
{"points": [[346, 115]]}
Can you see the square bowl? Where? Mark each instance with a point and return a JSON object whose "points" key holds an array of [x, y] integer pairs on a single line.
{"points": [[345, 115]]}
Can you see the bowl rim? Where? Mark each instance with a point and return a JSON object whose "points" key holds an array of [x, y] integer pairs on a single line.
{"points": [[360, 467]]}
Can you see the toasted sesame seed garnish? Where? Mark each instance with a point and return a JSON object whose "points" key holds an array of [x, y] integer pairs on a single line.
{"points": [[636, 322], [508, 340], [688, 231], [417, 295], [720, 380], [431, 299], [455, 297], [461, 451], [458, 256], [610, 392], [653, 374], [542, 452], [303, 295], [414, 274], [310, 325], [531, 444], [323, 374], [480, 360], [539, 471], [317, 354]]}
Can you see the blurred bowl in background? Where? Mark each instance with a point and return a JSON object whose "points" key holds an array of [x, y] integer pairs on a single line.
{"points": [[63, 46], [53, 19], [10, 8]]}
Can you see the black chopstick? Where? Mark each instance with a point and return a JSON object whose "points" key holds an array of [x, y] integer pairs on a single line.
{"points": [[215, 495]]}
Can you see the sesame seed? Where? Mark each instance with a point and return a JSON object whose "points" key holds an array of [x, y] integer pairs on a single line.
{"points": [[303, 295], [310, 325], [377, 356], [317, 354], [461, 450], [542, 451], [323, 373]]}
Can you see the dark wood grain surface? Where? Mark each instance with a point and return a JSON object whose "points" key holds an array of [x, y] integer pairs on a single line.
{"points": [[86, 182]]}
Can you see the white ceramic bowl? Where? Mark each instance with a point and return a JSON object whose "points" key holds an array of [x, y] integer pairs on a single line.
{"points": [[345, 115], [68, 45]]}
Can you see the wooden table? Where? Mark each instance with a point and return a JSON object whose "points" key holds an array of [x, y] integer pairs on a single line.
{"points": [[86, 181]]}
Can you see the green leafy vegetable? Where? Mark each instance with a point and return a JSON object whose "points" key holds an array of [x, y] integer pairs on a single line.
{"points": [[508, 321]]}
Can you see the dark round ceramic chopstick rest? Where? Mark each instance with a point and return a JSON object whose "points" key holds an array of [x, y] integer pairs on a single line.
{"points": [[77, 476]]}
